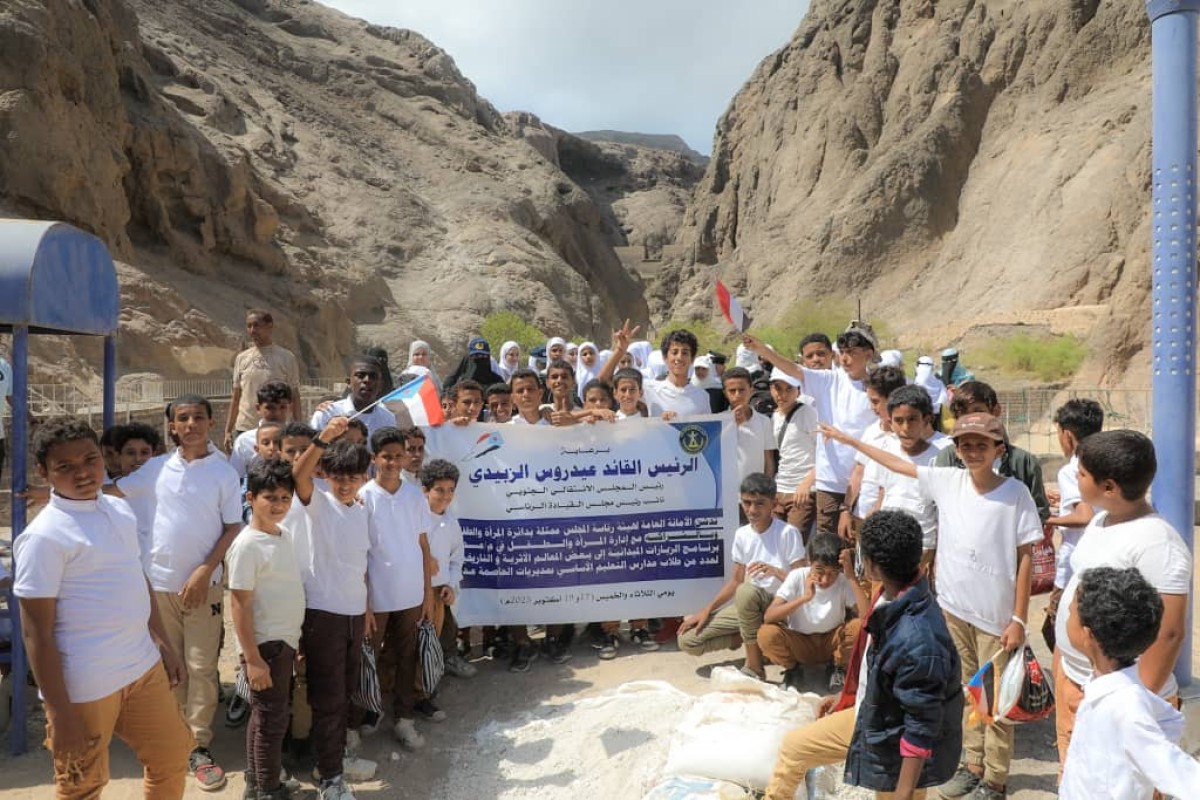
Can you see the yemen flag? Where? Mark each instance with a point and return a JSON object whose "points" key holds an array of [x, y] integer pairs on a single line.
{"points": [[420, 397], [731, 308]]}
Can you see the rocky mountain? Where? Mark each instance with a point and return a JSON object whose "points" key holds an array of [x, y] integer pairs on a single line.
{"points": [[652, 141], [942, 161], [239, 153]]}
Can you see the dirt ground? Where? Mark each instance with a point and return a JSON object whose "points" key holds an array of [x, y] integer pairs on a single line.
{"points": [[495, 694]]}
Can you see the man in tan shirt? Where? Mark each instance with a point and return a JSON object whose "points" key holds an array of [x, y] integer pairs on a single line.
{"points": [[263, 361]]}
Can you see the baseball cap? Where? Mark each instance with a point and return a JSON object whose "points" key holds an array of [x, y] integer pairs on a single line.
{"points": [[779, 375], [478, 345], [980, 425]]}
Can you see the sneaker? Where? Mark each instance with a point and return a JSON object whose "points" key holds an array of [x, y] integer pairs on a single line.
{"points": [[985, 792], [429, 710], [280, 793], [286, 779], [370, 724], [251, 790], [644, 639], [793, 678], [749, 673], [522, 658], [596, 636], [609, 650], [335, 789], [406, 734], [961, 784], [237, 711], [353, 741], [209, 776], [837, 679], [358, 769], [557, 650], [457, 666]]}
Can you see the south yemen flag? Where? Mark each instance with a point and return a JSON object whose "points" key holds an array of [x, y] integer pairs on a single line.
{"points": [[731, 308], [420, 397]]}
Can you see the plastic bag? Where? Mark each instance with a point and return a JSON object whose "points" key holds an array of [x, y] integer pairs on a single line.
{"points": [[1036, 701], [366, 694], [432, 660], [1044, 563]]}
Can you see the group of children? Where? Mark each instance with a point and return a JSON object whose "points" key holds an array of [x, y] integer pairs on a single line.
{"points": [[874, 546]]}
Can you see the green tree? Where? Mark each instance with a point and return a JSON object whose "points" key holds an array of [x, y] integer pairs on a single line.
{"points": [[505, 326]]}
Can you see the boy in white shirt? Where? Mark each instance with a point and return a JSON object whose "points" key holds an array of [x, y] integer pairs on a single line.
{"points": [[1116, 469], [101, 656], [439, 480], [793, 426], [273, 404], [862, 497], [527, 399], [806, 623], [987, 525], [197, 503], [137, 443], [676, 396], [1125, 743], [840, 396], [764, 551], [398, 572], [756, 449], [335, 588], [1076, 420], [365, 382], [267, 608]]}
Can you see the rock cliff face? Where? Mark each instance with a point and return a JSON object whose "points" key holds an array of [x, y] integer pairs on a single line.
{"points": [[238, 153], [939, 160]]}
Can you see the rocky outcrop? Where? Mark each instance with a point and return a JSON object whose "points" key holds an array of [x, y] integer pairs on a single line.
{"points": [[650, 141], [937, 160], [238, 153]]}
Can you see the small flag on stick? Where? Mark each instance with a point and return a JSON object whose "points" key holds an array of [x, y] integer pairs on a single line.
{"points": [[731, 308], [420, 397]]}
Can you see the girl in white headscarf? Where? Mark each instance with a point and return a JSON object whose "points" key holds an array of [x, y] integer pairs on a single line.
{"points": [[588, 366], [556, 350], [931, 383], [421, 355], [510, 360], [571, 354], [709, 379], [640, 351]]}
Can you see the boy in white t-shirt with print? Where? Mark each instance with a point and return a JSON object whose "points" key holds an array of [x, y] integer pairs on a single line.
{"points": [[1076, 420], [807, 623], [439, 480], [1116, 469], [676, 397], [987, 526], [764, 551], [335, 589], [197, 503], [266, 595], [1126, 744], [756, 448], [398, 572], [793, 427], [101, 656]]}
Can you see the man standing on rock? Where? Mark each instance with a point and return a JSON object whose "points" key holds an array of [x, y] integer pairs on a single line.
{"points": [[263, 361]]}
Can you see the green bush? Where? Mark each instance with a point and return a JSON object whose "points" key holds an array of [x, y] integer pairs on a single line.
{"points": [[505, 326], [829, 317], [1050, 359], [710, 336]]}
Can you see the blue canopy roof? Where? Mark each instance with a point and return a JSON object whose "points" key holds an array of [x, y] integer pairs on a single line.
{"points": [[55, 278]]}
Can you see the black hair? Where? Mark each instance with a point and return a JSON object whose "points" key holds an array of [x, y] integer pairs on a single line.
{"points": [[1124, 457], [188, 400], [736, 373], [681, 336], [264, 475], [892, 540], [60, 430], [596, 383], [382, 437], [465, 385], [297, 429], [1080, 417], [278, 426], [1122, 610], [758, 483], [824, 548], [360, 426], [885, 380], [914, 397], [524, 373], [816, 338], [274, 392], [262, 314], [627, 374], [436, 470], [560, 365], [109, 436], [124, 434], [854, 338], [412, 432], [497, 388], [366, 360], [346, 458], [969, 392]]}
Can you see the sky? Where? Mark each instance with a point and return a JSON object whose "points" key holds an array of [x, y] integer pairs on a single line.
{"points": [[649, 66]]}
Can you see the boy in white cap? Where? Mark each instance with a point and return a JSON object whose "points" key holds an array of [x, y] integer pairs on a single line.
{"points": [[793, 426]]}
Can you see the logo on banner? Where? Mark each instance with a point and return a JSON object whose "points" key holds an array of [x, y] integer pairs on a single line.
{"points": [[693, 439]]}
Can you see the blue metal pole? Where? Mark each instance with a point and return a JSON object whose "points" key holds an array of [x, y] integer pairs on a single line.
{"points": [[1173, 37], [20, 448], [110, 379]]}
